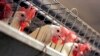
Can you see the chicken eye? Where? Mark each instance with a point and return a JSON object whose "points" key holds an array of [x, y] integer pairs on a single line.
{"points": [[58, 36], [58, 31], [76, 47], [22, 15]]}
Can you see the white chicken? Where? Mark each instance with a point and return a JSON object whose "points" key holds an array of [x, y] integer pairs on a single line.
{"points": [[73, 49], [57, 35], [68, 48], [23, 16], [66, 42], [17, 18], [46, 33]]}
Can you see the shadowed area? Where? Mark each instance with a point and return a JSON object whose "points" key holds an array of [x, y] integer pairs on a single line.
{"points": [[12, 47]]}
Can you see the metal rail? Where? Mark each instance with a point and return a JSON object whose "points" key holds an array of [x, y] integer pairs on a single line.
{"points": [[59, 18], [22, 37], [55, 22]]}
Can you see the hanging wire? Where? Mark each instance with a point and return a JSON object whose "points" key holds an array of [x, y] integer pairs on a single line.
{"points": [[55, 16], [80, 29], [94, 39], [33, 20], [90, 39], [16, 8], [45, 18], [45, 34], [39, 28], [82, 39], [56, 44], [44, 48], [73, 10], [63, 45], [64, 17], [90, 36], [66, 20], [73, 43], [54, 19], [98, 45], [73, 23], [71, 29], [84, 36], [42, 21], [60, 9], [93, 54], [37, 15], [86, 31]]}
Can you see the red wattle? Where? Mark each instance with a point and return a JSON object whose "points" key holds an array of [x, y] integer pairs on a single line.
{"points": [[55, 40], [23, 25]]}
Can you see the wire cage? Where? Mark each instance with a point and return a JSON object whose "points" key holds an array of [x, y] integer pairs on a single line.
{"points": [[53, 12]]}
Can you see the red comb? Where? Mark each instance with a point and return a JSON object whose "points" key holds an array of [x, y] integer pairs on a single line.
{"points": [[71, 37], [64, 31], [30, 12]]}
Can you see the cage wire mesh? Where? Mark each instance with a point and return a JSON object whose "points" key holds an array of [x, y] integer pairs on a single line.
{"points": [[66, 18], [63, 16]]}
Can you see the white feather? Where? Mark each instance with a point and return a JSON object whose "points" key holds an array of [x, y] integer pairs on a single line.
{"points": [[45, 33]]}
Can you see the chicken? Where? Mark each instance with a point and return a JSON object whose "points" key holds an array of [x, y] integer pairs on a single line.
{"points": [[5, 10], [46, 33], [67, 39], [81, 49], [24, 16], [68, 48], [73, 49], [56, 35], [66, 35], [53, 33], [66, 44]]}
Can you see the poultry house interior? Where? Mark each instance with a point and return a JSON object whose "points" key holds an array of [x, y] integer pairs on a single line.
{"points": [[44, 28]]}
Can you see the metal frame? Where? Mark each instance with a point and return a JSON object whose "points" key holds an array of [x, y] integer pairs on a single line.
{"points": [[22, 37]]}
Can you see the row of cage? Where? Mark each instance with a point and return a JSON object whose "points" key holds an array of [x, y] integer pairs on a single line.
{"points": [[69, 19], [41, 19]]}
